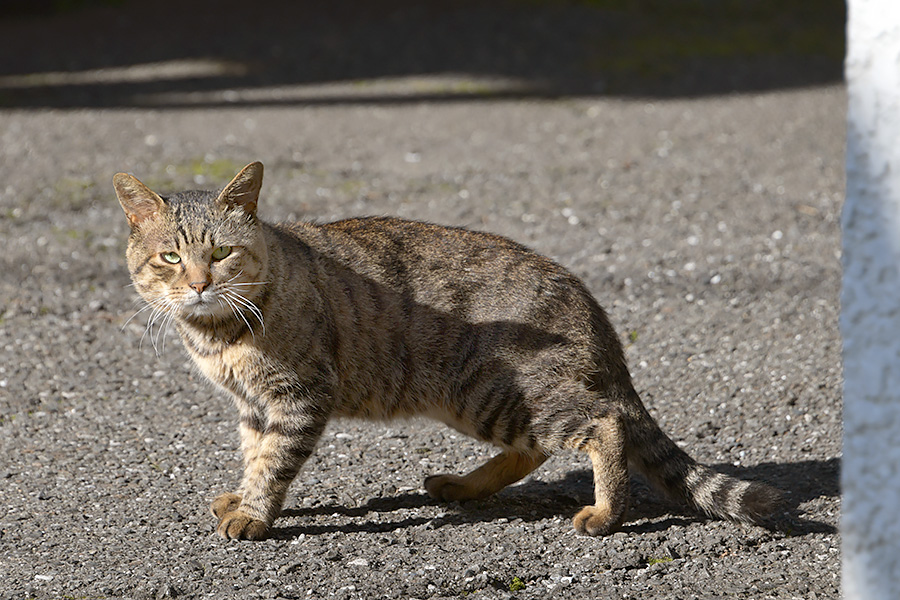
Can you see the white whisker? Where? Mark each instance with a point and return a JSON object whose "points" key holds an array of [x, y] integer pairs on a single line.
{"points": [[230, 282], [227, 281], [167, 322], [155, 339], [235, 310], [144, 308], [148, 328], [236, 297]]}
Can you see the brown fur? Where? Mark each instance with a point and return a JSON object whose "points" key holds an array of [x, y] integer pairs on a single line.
{"points": [[382, 318]]}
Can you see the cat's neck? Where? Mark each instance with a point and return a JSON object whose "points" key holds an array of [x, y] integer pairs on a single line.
{"points": [[205, 337]]}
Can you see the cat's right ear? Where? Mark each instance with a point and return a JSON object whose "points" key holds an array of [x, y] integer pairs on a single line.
{"points": [[244, 189], [138, 201]]}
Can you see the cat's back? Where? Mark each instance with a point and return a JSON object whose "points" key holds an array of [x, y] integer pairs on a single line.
{"points": [[416, 254], [474, 276]]}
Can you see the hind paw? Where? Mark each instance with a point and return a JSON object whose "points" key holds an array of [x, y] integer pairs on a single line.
{"points": [[596, 520], [445, 487], [451, 488]]}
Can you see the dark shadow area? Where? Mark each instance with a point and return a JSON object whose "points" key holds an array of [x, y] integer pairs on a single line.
{"points": [[206, 53], [538, 500]]}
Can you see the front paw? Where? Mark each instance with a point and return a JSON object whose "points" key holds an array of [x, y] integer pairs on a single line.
{"points": [[237, 525], [224, 504]]}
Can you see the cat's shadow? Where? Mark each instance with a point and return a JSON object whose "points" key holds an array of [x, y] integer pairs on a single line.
{"points": [[537, 500]]}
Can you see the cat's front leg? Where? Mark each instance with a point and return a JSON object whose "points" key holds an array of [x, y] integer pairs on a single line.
{"points": [[250, 435], [273, 454]]}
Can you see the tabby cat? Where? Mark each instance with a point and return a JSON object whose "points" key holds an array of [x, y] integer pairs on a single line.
{"points": [[382, 318]]}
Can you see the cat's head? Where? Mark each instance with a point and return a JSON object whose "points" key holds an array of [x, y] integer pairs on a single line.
{"points": [[197, 255]]}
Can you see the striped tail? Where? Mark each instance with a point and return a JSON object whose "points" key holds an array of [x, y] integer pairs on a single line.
{"points": [[683, 479]]}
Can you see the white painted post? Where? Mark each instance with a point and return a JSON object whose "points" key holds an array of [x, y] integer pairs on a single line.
{"points": [[870, 312]]}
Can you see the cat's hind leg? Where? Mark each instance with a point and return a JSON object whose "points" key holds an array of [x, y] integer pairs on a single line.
{"points": [[491, 477], [606, 448]]}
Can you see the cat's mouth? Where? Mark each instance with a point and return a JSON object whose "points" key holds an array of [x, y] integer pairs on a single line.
{"points": [[222, 303], [206, 303]]}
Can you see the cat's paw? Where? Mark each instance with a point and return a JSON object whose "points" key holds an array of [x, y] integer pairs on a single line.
{"points": [[596, 520], [237, 525], [450, 488], [224, 504]]}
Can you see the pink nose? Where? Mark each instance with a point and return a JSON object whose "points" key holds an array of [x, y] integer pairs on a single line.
{"points": [[199, 286]]}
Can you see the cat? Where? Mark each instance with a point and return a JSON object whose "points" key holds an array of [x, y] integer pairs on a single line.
{"points": [[381, 318]]}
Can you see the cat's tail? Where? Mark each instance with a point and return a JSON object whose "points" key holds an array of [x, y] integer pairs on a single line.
{"points": [[671, 470]]}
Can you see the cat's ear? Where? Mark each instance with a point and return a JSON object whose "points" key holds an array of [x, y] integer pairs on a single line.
{"points": [[138, 201], [244, 189]]}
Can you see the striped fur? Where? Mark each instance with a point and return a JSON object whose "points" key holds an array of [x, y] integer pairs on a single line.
{"points": [[382, 318]]}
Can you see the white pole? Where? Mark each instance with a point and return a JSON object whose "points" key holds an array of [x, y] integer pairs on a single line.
{"points": [[870, 311]]}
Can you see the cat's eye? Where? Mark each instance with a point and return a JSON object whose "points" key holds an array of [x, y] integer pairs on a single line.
{"points": [[171, 258], [221, 252]]}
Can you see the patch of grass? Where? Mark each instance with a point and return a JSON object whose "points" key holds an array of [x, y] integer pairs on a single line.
{"points": [[73, 234], [661, 39], [74, 193], [350, 188], [204, 171], [217, 169], [633, 336], [516, 584]]}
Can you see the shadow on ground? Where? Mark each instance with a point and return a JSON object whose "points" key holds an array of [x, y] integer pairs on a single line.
{"points": [[204, 53], [537, 500]]}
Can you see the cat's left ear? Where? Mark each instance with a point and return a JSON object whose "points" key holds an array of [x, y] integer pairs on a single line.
{"points": [[244, 189], [138, 201]]}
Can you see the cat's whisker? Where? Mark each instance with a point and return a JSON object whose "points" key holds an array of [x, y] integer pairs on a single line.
{"points": [[223, 302], [227, 281], [235, 310], [159, 321], [148, 328], [167, 322], [146, 307], [248, 305], [237, 298], [161, 317], [230, 282]]}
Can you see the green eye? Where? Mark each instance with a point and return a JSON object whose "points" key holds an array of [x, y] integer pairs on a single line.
{"points": [[221, 252], [171, 258]]}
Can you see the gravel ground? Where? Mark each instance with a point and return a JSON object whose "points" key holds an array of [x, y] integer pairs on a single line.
{"points": [[707, 225]]}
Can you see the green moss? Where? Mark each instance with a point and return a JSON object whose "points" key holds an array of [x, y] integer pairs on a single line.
{"points": [[74, 193], [659, 39], [210, 172], [516, 584], [218, 169]]}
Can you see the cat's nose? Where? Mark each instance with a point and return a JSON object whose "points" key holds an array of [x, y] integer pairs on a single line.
{"points": [[199, 286]]}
